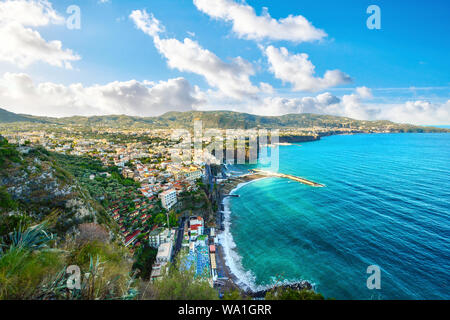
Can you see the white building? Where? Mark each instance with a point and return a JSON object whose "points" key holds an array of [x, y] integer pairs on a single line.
{"points": [[193, 174], [168, 198], [162, 258], [160, 236], [164, 253], [196, 227]]}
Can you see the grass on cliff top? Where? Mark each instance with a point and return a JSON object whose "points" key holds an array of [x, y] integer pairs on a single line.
{"points": [[22, 272], [31, 270]]}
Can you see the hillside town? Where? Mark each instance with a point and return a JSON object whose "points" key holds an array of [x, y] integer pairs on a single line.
{"points": [[149, 211], [153, 200]]}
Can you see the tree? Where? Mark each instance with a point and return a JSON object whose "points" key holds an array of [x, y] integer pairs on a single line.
{"points": [[160, 219], [144, 259], [173, 218], [232, 295], [179, 284], [293, 294]]}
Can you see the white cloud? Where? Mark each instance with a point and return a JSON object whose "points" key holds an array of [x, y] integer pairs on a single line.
{"points": [[18, 93], [299, 71], [364, 92], [246, 24], [276, 106], [418, 112], [24, 46], [147, 23], [266, 88], [354, 106], [232, 78], [33, 13]]}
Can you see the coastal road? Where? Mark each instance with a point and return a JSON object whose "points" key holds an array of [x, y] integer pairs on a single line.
{"points": [[180, 232]]}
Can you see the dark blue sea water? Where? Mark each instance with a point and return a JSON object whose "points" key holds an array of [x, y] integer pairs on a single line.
{"points": [[386, 203]]}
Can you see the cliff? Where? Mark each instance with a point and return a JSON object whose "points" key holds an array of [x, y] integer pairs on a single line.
{"points": [[38, 188]]}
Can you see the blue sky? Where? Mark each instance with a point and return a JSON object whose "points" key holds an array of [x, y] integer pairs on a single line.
{"points": [[405, 61], [410, 50]]}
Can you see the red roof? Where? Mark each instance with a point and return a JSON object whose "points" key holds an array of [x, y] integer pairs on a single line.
{"points": [[212, 248], [131, 236]]}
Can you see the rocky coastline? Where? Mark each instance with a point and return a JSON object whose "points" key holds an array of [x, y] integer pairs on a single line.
{"points": [[232, 282]]}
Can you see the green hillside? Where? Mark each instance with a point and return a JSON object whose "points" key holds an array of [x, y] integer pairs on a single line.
{"points": [[221, 120], [9, 117]]}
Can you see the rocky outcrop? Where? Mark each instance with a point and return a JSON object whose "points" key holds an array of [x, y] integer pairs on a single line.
{"points": [[296, 139], [43, 188], [303, 285]]}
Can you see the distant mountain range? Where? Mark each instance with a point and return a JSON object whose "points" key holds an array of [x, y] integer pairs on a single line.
{"points": [[9, 117], [221, 120]]}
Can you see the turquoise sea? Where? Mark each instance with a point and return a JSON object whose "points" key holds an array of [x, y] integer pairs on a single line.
{"points": [[386, 203]]}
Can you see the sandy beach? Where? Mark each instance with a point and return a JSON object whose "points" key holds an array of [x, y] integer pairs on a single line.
{"points": [[231, 183], [226, 189]]}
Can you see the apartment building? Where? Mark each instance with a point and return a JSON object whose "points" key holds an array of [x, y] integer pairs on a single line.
{"points": [[168, 198]]}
